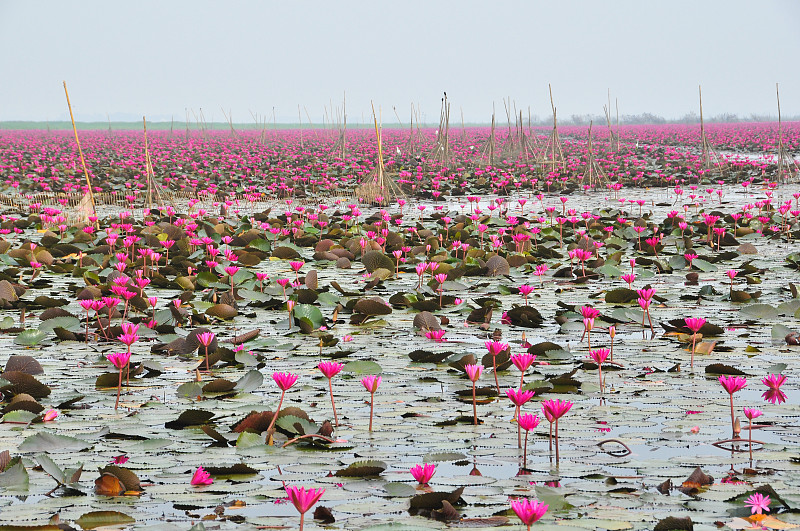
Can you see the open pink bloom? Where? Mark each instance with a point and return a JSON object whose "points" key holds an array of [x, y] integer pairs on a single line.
{"points": [[752, 413], [285, 380], [528, 422], [436, 335], [120, 460], [527, 511], [128, 339], [519, 397], [206, 338], [556, 409], [296, 266], [587, 312], [423, 473], [599, 355], [330, 368], [774, 393], [495, 347], [646, 294], [525, 290], [474, 371], [303, 499], [231, 270], [694, 323], [201, 477], [119, 359], [733, 384], [371, 383], [523, 361], [644, 303], [758, 503]]}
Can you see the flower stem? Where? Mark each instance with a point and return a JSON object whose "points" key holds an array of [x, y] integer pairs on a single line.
{"points": [[556, 441], [474, 407], [335, 418], [494, 369], [274, 418], [525, 452], [119, 388], [302, 517], [371, 408]]}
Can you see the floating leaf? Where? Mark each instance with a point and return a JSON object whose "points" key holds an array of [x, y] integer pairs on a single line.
{"points": [[759, 311], [190, 417], [362, 469], [26, 364], [362, 367], [95, 519], [52, 443], [399, 489], [30, 337], [251, 381]]}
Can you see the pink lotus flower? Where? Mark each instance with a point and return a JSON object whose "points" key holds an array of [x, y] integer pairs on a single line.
{"points": [[285, 381], [527, 511], [119, 460], [201, 477], [50, 415], [758, 503], [119, 359], [436, 335], [554, 410], [423, 473], [527, 422], [519, 397], [523, 362], [525, 290], [371, 384], [205, 339], [474, 371], [331, 369], [751, 413], [303, 499], [599, 356], [495, 348], [774, 394], [732, 384], [694, 324]]}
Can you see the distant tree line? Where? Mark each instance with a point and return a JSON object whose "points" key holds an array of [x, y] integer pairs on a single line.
{"points": [[649, 118]]}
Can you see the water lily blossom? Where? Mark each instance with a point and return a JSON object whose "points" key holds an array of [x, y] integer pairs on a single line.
{"points": [[331, 369], [528, 511], [371, 384], [423, 473], [303, 499], [285, 381], [201, 477], [732, 384], [758, 503]]}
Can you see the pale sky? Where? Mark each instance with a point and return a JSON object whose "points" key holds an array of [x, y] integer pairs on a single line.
{"points": [[157, 58]]}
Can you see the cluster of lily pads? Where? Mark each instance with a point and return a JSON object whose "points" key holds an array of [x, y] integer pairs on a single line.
{"points": [[138, 338]]}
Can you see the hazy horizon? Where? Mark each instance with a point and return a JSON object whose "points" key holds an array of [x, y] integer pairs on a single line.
{"points": [[162, 59]]}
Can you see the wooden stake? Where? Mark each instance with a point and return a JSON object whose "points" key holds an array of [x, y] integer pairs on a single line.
{"points": [[80, 151]]}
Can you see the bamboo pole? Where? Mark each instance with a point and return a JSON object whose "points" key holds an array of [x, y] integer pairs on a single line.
{"points": [[80, 151]]}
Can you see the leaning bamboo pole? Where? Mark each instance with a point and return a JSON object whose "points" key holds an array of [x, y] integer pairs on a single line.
{"points": [[80, 152]]}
